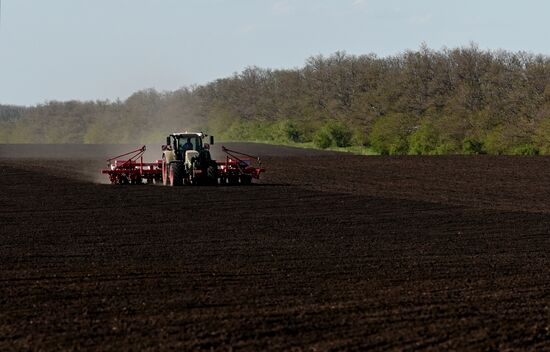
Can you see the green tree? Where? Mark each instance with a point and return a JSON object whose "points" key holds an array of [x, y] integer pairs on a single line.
{"points": [[542, 136], [390, 134], [333, 134], [424, 140]]}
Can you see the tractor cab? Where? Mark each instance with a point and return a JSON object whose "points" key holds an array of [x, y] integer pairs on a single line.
{"points": [[181, 143]]}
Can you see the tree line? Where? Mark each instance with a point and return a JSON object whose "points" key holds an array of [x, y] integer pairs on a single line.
{"points": [[451, 101]]}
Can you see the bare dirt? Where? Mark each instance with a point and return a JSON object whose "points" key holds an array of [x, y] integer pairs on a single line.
{"points": [[328, 252]]}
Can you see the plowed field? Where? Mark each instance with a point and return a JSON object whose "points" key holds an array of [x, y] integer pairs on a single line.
{"points": [[327, 252]]}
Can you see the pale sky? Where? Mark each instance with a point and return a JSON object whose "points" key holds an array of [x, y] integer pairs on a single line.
{"points": [[108, 49]]}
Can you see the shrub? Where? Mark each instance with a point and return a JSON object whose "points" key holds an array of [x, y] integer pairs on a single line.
{"points": [[322, 139], [288, 131], [527, 149], [359, 138], [496, 142], [333, 134], [542, 136], [472, 146], [448, 147], [424, 141], [341, 134], [237, 130], [389, 135]]}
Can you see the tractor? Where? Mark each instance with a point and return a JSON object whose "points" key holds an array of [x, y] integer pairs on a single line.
{"points": [[186, 160]]}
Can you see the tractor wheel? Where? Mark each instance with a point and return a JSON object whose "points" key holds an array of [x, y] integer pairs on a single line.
{"points": [[176, 174], [212, 175], [246, 179]]}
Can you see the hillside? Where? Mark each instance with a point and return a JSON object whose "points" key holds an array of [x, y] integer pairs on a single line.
{"points": [[451, 101]]}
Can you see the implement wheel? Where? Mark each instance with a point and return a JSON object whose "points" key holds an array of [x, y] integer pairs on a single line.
{"points": [[233, 180], [246, 179]]}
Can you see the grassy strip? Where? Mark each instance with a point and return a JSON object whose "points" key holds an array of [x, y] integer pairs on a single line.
{"points": [[356, 150]]}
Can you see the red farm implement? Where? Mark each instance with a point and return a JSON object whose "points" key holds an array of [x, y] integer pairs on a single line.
{"points": [[133, 170], [179, 167], [238, 167]]}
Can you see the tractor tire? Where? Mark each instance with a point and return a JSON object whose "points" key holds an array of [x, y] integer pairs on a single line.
{"points": [[176, 174], [212, 175]]}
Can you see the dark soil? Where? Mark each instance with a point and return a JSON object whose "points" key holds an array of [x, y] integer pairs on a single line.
{"points": [[328, 251]]}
